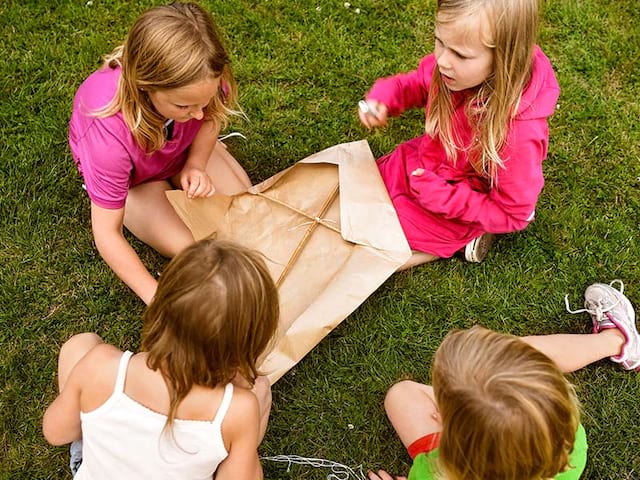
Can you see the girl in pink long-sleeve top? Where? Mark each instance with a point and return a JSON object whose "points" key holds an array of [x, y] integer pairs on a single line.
{"points": [[487, 90]]}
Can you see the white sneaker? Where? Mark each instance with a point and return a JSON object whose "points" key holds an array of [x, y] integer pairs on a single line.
{"points": [[476, 250], [609, 308]]}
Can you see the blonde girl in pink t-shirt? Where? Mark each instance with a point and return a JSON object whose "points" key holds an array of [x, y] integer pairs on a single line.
{"points": [[148, 121]]}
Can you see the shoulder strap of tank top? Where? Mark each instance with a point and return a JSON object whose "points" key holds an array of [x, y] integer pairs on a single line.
{"points": [[224, 405], [122, 371]]}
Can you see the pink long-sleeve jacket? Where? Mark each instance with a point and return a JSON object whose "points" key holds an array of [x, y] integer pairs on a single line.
{"points": [[451, 204]]}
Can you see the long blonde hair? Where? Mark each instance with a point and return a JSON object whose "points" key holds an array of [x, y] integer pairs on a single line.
{"points": [[508, 412], [214, 314], [511, 34], [168, 47]]}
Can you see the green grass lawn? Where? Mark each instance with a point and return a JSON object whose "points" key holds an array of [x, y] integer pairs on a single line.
{"points": [[301, 68]]}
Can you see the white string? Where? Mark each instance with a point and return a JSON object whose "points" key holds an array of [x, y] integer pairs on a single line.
{"points": [[232, 134], [598, 310], [315, 220], [338, 471]]}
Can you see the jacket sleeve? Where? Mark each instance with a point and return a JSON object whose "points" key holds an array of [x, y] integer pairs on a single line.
{"points": [[510, 205], [404, 90]]}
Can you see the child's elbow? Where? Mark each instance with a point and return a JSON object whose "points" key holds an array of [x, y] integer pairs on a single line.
{"points": [[515, 219], [57, 434], [52, 436], [55, 441], [518, 224], [508, 224], [523, 223]]}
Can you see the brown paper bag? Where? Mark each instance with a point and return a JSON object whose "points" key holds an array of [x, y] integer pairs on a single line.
{"points": [[329, 234]]}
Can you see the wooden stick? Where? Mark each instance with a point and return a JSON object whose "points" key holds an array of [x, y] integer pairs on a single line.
{"points": [[305, 238], [302, 212]]}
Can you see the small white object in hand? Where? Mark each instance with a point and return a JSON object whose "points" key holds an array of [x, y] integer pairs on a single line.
{"points": [[367, 108]]}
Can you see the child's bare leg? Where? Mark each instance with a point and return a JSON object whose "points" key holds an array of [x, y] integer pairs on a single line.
{"points": [[262, 391], [412, 410], [72, 351], [571, 352], [418, 258], [151, 218], [226, 174]]}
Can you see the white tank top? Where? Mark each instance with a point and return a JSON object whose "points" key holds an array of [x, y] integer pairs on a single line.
{"points": [[123, 439]]}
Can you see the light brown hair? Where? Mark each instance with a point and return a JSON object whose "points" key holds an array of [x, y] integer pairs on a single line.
{"points": [[510, 31], [214, 314], [168, 47], [508, 412]]}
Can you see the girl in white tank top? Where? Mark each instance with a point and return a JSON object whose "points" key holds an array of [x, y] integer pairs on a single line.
{"points": [[171, 411]]}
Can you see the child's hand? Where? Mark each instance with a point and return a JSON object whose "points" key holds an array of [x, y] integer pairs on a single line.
{"points": [[196, 182], [372, 113], [382, 475]]}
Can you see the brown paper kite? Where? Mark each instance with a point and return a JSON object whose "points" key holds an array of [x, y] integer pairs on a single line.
{"points": [[328, 232]]}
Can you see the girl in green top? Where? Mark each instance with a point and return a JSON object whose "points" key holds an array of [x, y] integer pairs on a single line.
{"points": [[500, 407]]}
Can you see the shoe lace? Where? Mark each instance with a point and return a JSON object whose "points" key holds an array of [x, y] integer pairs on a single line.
{"points": [[598, 310]]}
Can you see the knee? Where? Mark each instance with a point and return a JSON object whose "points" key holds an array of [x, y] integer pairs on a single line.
{"points": [[397, 395], [80, 344]]}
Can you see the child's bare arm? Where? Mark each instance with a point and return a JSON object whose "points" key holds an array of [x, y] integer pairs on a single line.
{"points": [[61, 422], [240, 429], [193, 178], [118, 253], [86, 374]]}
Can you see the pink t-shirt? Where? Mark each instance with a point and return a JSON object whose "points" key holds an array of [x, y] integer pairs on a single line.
{"points": [[105, 152]]}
